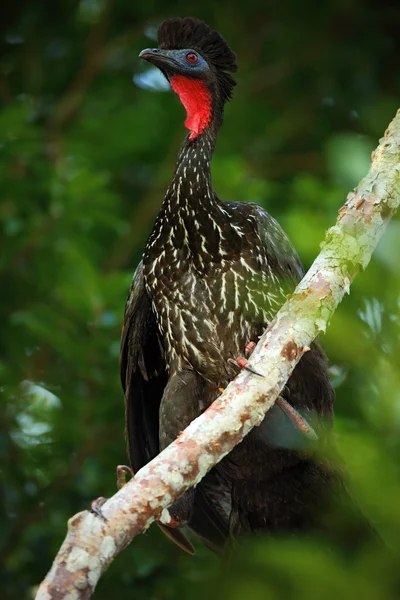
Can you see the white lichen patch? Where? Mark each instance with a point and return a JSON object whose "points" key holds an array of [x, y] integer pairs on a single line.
{"points": [[346, 285], [185, 466], [204, 463], [165, 516], [43, 595], [94, 570], [175, 479], [107, 547], [73, 595], [77, 559], [167, 499], [81, 582], [321, 325]]}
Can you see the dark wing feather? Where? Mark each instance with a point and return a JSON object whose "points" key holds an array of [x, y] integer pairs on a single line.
{"points": [[143, 378], [143, 374], [211, 511], [310, 380], [281, 254]]}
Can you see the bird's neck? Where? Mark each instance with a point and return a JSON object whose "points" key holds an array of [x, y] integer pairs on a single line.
{"points": [[191, 187], [192, 220], [190, 200], [191, 184]]}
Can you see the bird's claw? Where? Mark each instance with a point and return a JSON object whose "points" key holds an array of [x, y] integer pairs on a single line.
{"points": [[249, 349], [296, 418], [96, 505], [293, 415], [122, 472], [243, 364]]}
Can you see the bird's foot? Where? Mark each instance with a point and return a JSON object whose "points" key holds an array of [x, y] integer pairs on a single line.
{"points": [[293, 415], [122, 472], [296, 418], [96, 505], [243, 363], [249, 349]]}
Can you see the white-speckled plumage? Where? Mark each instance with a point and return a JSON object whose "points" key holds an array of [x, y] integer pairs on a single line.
{"points": [[205, 261]]}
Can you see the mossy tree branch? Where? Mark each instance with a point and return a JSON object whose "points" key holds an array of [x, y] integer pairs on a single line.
{"points": [[92, 543]]}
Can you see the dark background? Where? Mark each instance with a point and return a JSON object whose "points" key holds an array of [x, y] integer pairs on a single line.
{"points": [[88, 139]]}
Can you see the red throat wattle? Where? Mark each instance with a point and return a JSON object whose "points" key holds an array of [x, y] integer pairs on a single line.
{"points": [[196, 98]]}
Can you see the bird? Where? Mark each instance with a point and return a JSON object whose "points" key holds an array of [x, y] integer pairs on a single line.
{"points": [[212, 277]]}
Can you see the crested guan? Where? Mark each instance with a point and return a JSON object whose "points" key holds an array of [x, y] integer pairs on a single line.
{"points": [[212, 277]]}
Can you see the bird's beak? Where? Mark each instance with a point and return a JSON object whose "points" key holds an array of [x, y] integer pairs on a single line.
{"points": [[159, 58]]}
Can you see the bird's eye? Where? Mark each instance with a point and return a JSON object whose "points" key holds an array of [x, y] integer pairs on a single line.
{"points": [[191, 57]]}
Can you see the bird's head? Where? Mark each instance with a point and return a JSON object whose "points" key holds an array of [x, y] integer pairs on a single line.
{"points": [[196, 61]]}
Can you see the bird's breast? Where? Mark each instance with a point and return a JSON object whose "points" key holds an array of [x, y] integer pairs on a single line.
{"points": [[208, 315]]}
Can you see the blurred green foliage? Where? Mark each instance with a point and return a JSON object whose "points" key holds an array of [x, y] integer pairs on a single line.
{"points": [[88, 138]]}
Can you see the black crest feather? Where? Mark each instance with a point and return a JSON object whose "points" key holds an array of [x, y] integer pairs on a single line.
{"points": [[177, 33]]}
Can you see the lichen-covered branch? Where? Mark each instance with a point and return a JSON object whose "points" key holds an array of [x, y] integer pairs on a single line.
{"points": [[92, 543]]}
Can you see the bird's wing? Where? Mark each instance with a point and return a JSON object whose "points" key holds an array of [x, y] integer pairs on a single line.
{"points": [[143, 373], [286, 266], [281, 254], [212, 510], [143, 377]]}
